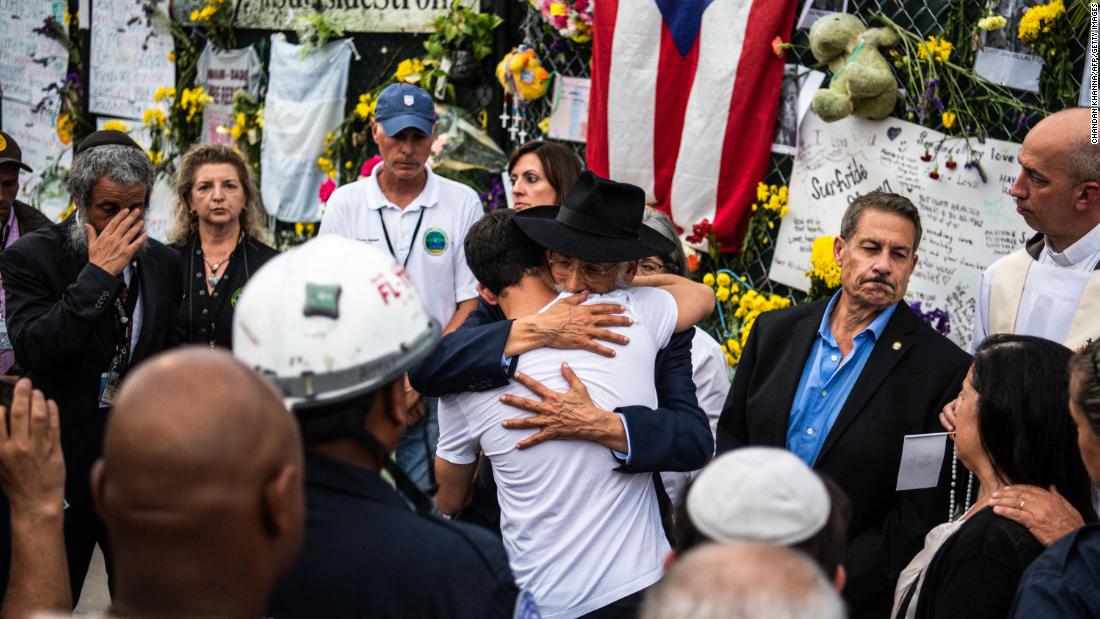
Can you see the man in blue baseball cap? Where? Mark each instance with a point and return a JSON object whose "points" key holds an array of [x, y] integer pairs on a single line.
{"points": [[421, 219]]}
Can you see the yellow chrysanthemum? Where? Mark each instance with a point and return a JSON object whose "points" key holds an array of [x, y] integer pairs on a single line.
{"points": [[708, 279], [935, 49], [723, 294], [823, 262], [409, 70], [113, 125], [154, 117], [723, 280], [992, 22], [164, 92], [1039, 19]]}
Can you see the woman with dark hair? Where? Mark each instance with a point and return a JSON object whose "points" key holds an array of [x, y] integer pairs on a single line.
{"points": [[1011, 428], [218, 230], [542, 173]]}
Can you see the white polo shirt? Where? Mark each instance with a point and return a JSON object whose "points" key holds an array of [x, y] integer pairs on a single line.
{"points": [[436, 257], [579, 534]]}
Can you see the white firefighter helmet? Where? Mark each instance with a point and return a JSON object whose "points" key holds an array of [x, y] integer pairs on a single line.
{"points": [[330, 320]]}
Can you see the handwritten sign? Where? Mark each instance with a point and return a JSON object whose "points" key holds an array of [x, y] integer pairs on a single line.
{"points": [[35, 134], [129, 59], [349, 15], [967, 223], [29, 62]]}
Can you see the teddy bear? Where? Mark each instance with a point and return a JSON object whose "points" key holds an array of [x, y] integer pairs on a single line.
{"points": [[862, 83], [522, 75]]}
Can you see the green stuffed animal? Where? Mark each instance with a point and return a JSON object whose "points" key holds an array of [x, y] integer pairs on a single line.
{"points": [[863, 83]]}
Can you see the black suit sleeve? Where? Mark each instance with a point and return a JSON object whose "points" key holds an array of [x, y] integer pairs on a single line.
{"points": [[46, 332], [468, 359], [676, 436], [732, 431]]}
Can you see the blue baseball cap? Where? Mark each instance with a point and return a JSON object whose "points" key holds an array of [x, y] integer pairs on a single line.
{"points": [[401, 106]]}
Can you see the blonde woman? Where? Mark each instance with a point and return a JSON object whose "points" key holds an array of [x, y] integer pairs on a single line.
{"points": [[219, 232]]}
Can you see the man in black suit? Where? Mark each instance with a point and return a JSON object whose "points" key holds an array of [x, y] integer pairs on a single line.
{"points": [[841, 382], [88, 299]]}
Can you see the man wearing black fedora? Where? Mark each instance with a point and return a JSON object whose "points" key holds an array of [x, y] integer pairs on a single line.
{"points": [[593, 243]]}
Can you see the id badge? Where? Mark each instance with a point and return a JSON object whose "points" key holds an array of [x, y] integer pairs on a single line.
{"points": [[108, 388], [5, 343]]}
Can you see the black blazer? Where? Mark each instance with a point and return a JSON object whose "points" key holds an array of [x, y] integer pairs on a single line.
{"points": [[61, 324], [673, 437], [912, 372]]}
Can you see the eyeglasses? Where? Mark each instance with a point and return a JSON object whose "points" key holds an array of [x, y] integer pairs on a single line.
{"points": [[568, 266], [653, 268]]}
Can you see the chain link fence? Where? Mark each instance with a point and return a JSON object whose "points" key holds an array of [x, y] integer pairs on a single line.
{"points": [[954, 19]]}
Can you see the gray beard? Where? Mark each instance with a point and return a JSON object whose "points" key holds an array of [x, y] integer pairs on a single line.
{"points": [[78, 235]]}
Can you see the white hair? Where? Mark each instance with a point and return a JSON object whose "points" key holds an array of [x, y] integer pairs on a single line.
{"points": [[743, 581]]}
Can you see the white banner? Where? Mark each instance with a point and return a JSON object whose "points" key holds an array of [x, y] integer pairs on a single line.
{"points": [[129, 59], [29, 62], [967, 223], [305, 100]]}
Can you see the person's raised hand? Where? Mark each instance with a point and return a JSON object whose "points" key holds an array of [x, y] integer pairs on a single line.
{"points": [[570, 325], [947, 415], [568, 415], [114, 247], [1047, 514], [32, 468]]}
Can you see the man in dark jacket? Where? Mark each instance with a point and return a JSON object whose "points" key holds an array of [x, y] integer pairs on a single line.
{"points": [[840, 383], [87, 299], [16, 219]]}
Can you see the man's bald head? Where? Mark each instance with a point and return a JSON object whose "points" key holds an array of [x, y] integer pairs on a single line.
{"points": [[743, 581], [201, 463], [1069, 132]]}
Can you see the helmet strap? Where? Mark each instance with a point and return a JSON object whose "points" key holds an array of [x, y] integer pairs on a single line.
{"points": [[420, 500]]}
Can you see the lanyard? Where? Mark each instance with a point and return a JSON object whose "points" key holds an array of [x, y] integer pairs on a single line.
{"points": [[386, 234], [125, 304]]}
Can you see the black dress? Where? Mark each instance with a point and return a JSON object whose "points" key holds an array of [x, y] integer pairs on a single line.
{"points": [[208, 318], [976, 571]]}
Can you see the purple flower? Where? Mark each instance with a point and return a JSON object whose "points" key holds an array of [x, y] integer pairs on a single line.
{"points": [[936, 318], [494, 198]]}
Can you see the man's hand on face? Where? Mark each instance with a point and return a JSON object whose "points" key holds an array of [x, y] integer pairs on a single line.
{"points": [[32, 469], [569, 415], [114, 247], [569, 325]]}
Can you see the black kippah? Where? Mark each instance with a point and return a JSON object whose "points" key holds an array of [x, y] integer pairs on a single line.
{"points": [[106, 137]]}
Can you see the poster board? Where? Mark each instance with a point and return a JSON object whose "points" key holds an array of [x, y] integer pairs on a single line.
{"points": [[35, 134], [29, 62], [569, 118], [967, 223], [349, 15], [129, 59]]}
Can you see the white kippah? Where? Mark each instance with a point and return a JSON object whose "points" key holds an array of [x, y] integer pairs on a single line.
{"points": [[758, 493]]}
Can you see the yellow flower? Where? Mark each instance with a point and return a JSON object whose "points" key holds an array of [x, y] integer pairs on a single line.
{"points": [[708, 279], [164, 92], [723, 294], [155, 157], [171, 56], [195, 15], [558, 9], [67, 18], [992, 22], [1039, 19], [365, 107], [409, 70], [783, 211], [723, 280], [114, 125], [761, 192], [65, 126], [154, 117], [948, 119], [935, 49]]}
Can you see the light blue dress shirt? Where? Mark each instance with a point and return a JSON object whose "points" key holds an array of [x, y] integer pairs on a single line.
{"points": [[827, 379]]}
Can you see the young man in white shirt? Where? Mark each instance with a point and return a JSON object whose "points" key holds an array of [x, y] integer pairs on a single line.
{"points": [[421, 219], [580, 535]]}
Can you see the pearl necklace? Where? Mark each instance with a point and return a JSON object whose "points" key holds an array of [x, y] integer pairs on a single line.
{"points": [[969, 487]]}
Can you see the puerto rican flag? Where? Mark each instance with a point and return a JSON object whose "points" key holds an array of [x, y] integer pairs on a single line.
{"points": [[683, 102]]}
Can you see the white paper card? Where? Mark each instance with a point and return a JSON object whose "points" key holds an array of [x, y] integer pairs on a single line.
{"points": [[569, 120], [921, 459]]}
